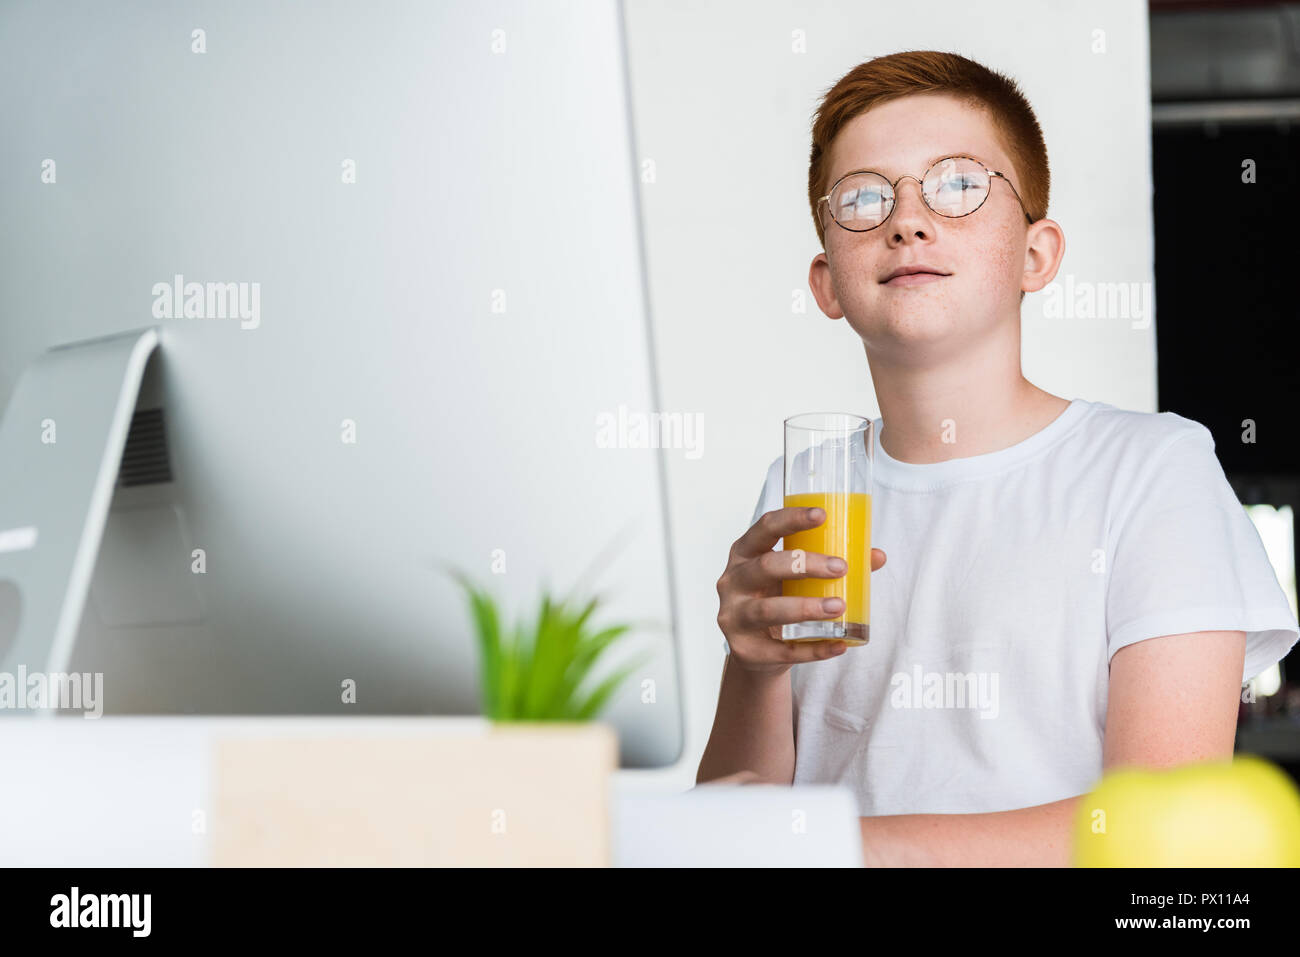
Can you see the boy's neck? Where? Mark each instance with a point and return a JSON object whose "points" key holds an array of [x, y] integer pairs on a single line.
{"points": [[927, 419]]}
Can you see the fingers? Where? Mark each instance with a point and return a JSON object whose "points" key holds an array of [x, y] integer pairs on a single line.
{"points": [[770, 528], [761, 613], [773, 526], [800, 651], [767, 653], [772, 567], [761, 573]]}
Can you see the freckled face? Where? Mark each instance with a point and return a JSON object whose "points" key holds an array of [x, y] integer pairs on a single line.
{"points": [[984, 252]]}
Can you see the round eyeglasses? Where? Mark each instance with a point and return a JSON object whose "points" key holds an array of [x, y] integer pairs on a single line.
{"points": [[954, 186]]}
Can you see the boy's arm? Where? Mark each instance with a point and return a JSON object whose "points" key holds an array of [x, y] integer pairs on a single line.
{"points": [[1172, 700], [753, 728], [1036, 836]]}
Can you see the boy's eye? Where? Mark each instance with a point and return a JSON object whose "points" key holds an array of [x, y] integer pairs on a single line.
{"points": [[870, 196]]}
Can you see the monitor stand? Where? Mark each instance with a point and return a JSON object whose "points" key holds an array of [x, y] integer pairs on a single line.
{"points": [[61, 445]]}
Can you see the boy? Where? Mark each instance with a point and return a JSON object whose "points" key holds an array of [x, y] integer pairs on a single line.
{"points": [[1088, 569]]}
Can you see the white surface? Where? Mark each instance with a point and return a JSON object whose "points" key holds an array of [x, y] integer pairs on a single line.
{"points": [[131, 792], [739, 826]]}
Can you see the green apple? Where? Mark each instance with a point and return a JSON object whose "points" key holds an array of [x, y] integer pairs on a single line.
{"points": [[1239, 813]]}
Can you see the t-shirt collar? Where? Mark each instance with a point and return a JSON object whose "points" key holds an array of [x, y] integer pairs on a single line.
{"points": [[909, 476]]}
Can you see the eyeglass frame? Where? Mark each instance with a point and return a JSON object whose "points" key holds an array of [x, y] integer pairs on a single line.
{"points": [[893, 188]]}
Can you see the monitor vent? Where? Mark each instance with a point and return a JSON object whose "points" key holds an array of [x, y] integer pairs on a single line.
{"points": [[145, 460]]}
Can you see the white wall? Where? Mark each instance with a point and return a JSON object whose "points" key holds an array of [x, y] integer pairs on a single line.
{"points": [[723, 104]]}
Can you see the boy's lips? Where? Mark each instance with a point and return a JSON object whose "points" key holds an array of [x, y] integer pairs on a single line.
{"points": [[913, 274], [914, 279]]}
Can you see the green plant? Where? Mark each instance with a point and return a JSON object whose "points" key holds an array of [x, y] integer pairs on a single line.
{"points": [[534, 673]]}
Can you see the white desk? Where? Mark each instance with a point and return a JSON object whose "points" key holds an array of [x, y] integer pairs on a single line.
{"points": [[136, 791]]}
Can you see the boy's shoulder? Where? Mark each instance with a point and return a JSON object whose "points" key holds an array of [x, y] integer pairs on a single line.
{"points": [[1122, 444], [1141, 433]]}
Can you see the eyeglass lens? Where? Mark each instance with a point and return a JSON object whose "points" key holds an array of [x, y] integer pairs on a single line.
{"points": [[952, 187]]}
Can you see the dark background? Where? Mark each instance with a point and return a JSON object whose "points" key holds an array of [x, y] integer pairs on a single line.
{"points": [[1225, 87]]}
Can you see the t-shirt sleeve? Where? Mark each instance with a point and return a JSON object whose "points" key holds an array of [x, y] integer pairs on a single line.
{"points": [[1186, 557]]}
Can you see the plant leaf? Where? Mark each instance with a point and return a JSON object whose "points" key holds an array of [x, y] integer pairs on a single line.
{"points": [[488, 631], [598, 697], [558, 634], [584, 658], [532, 670], [522, 665]]}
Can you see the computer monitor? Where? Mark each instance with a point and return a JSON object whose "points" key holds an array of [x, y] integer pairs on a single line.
{"points": [[377, 274]]}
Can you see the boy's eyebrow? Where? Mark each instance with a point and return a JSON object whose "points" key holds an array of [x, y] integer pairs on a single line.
{"points": [[934, 159]]}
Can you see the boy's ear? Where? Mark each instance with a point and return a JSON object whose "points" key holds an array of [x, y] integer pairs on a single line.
{"points": [[1044, 250], [823, 287]]}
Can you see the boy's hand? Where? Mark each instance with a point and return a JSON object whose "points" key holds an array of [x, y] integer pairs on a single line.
{"points": [[751, 608]]}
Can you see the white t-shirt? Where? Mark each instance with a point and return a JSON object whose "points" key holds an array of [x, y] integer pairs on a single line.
{"points": [[1012, 578]]}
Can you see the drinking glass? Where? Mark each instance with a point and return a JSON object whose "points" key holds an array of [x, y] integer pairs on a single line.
{"points": [[828, 458]]}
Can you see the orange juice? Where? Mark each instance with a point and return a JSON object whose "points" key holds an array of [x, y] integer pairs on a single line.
{"points": [[847, 534]]}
